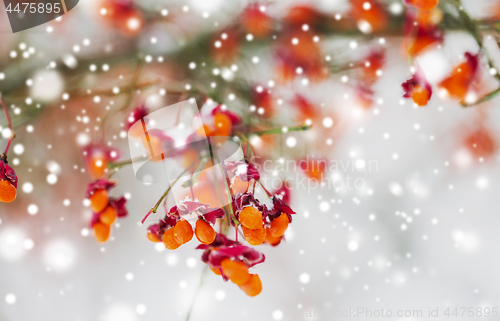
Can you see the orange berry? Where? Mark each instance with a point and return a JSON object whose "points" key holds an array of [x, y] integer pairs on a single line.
{"points": [[421, 42], [255, 21], [183, 232], [204, 232], [279, 225], [271, 239], [230, 45], [97, 166], [222, 124], [253, 287], [458, 83], [239, 186], [204, 130], [377, 17], [254, 237], [420, 95], [101, 231], [8, 192], [316, 168], [481, 143], [216, 271], [236, 271], [169, 239], [153, 237], [108, 216], [424, 4], [250, 217], [99, 200]]}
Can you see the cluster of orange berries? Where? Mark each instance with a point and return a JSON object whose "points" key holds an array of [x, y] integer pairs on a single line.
{"points": [[456, 85], [258, 224], [423, 32], [174, 230], [237, 272], [252, 224], [232, 262], [105, 208]]}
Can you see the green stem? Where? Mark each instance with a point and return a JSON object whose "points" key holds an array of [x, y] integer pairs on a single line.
{"points": [[281, 130], [155, 208], [484, 98], [125, 162]]}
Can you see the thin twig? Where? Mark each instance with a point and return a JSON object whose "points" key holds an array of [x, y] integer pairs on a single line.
{"points": [[133, 84], [155, 208], [122, 90], [9, 120]]}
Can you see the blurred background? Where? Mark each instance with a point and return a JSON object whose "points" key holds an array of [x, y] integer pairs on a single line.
{"points": [[420, 230]]}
